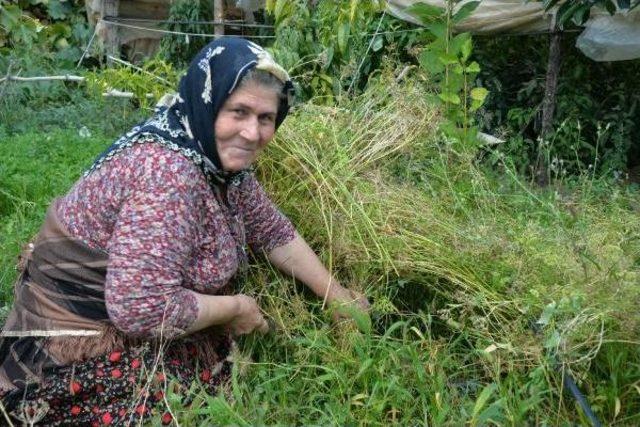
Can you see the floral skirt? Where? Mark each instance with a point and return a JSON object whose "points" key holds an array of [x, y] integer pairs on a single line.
{"points": [[122, 387]]}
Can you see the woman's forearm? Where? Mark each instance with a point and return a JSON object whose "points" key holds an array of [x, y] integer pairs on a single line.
{"points": [[239, 313], [214, 310], [297, 259]]}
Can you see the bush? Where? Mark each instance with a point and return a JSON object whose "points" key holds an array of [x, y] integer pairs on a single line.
{"points": [[596, 118]]}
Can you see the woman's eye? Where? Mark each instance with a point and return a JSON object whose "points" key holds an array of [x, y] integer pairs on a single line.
{"points": [[239, 112]]}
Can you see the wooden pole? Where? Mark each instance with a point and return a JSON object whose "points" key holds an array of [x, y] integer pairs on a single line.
{"points": [[548, 105], [218, 16], [112, 36]]}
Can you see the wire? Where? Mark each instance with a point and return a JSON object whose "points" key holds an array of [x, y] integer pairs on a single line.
{"points": [[181, 33], [86, 49], [166, 21]]}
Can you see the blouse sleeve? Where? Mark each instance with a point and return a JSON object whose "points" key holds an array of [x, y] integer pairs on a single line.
{"points": [[266, 227], [151, 244]]}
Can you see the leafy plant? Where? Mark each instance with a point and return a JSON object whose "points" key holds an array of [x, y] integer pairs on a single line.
{"points": [[147, 83], [56, 29], [596, 107], [181, 49], [577, 12], [448, 62], [331, 48]]}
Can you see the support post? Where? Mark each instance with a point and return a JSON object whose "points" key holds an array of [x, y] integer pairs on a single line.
{"points": [[112, 36], [548, 104], [218, 16]]}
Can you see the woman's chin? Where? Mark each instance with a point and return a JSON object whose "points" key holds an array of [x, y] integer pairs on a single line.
{"points": [[236, 166]]}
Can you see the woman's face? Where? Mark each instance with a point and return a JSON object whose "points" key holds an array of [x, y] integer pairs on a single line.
{"points": [[245, 124]]}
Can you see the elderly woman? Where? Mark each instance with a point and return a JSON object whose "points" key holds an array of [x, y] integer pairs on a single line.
{"points": [[128, 285]]}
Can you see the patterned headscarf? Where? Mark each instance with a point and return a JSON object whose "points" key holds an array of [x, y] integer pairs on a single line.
{"points": [[185, 121]]}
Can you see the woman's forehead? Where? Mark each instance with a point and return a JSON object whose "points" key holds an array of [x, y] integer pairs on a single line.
{"points": [[255, 96]]}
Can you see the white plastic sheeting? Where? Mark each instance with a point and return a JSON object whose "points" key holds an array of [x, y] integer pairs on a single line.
{"points": [[611, 38], [605, 38], [490, 17]]}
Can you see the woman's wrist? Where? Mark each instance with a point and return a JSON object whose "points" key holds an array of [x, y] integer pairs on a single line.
{"points": [[215, 310]]}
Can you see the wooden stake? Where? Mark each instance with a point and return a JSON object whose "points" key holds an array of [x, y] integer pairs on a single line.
{"points": [[548, 104], [112, 37], [218, 16]]}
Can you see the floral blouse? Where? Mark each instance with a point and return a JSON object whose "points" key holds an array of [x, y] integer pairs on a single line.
{"points": [[152, 210]]}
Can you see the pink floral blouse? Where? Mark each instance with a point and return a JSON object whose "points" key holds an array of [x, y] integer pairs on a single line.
{"points": [[151, 209]]}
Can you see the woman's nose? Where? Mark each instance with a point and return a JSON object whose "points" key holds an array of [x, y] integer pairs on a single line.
{"points": [[251, 130]]}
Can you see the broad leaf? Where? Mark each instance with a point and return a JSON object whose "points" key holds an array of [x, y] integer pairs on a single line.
{"points": [[548, 4], [465, 11], [457, 43], [9, 16], [581, 15], [450, 97], [474, 67], [466, 49], [343, 34], [448, 59], [58, 9], [482, 400], [479, 93], [430, 62], [424, 12], [438, 29]]}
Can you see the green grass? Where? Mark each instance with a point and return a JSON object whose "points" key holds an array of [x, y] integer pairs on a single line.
{"points": [[479, 281]]}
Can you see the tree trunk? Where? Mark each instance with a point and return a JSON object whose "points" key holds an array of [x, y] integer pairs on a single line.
{"points": [[548, 105]]}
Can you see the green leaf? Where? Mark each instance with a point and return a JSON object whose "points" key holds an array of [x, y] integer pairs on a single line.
{"points": [[566, 11], [466, 49], [360, 317], [479, 94], [438, 29], [429, 62], [475, 105], [474, 67], [492, 413], [548, 4], [581, 15], [481, 401], [9, 16], [457, 43], [450, 97], [353, 10], [377, 43], [58, 9], [343, 34], [458, 69], [447, 59], [424, 12], [454, 84], [465, 11], [62, 43]]}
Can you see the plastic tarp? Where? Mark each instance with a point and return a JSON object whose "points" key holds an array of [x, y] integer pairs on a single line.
{"points": [[605, 38], [490, 17]]}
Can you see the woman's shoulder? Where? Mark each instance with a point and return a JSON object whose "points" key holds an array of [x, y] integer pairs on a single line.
{"points": [[152, 163]]}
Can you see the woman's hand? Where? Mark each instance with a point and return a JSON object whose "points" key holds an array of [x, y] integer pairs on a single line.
{"points": [[340, 296], [248, 318]]}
